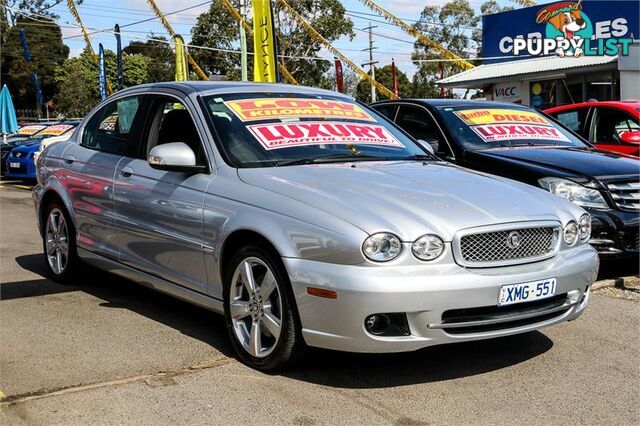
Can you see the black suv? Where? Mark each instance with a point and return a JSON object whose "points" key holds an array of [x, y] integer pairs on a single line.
{"points": [[523, 144]]}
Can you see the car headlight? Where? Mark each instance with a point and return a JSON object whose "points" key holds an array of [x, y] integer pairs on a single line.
{"points": [[427, 247], [582, 196], [382, 247], [570, 233], [584, 225]]}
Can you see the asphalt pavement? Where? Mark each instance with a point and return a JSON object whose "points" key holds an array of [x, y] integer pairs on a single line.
{"points": [[105, 350]]}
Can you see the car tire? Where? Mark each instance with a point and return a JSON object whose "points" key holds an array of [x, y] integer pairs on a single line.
{"points": [[259, 303], [59, 243]]}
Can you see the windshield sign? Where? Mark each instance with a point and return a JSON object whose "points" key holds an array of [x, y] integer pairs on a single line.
{"points": [[55, 130], [284, 129], [30, 129], [486, 128], [262, 108]]}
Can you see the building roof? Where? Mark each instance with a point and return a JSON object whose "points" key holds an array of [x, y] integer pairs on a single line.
{"points": [[490, 73]]}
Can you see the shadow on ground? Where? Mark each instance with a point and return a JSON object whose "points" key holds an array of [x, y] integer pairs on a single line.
{"points": [[319, 366]]}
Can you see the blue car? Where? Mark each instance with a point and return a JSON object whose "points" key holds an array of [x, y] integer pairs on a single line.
{"points": [[20, 162]]}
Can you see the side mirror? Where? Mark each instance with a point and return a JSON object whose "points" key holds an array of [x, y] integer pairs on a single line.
{"points": [[630, 137], [428, 145], [175, 157]]}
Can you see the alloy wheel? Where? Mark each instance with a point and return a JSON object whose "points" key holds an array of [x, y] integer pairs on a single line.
{"points": [[57, 241], [255, 305]]}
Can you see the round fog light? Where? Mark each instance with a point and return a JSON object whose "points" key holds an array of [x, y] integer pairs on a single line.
{"points": [[570, 233], [377, 323]]}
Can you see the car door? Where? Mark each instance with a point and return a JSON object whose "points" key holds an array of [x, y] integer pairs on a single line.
{"points": [[606, 127], [160, 213], [89, 167], [417, 121]]}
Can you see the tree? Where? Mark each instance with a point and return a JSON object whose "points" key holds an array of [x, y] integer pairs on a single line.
{"points": [[217, 29], [37, 7], [161, 58], [451, 26], [77, 80], [384, 76], [47, 53], [487, 8]]}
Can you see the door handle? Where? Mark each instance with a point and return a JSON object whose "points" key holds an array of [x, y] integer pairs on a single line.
{"points": [[69, 159], [126, 173]]}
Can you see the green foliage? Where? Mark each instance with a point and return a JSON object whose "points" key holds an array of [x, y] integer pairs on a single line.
{"points": [[456, 27], [77, 80], [47, 53], [384, 76], [38, 7], [217, 28], [161, 58]]}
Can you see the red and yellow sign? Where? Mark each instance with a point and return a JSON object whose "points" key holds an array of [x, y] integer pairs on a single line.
{"points": [[497, 116], [279, 108], [290, 135], [56, 130], [30, 129], [502, 132]]}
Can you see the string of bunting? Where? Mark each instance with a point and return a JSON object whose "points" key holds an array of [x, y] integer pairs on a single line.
{"points": [[283, 70], [72, 8], [316, 36], [462, 63], [169, 29]]}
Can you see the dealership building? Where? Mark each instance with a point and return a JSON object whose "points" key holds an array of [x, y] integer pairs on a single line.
{"points": [[517, 68]]}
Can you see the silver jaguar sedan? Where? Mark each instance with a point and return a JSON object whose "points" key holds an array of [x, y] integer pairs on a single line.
{"points": [[307, 219]]}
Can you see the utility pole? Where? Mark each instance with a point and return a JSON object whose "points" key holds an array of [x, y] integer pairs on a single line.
{"points": [[243, 40], [371, 63]]}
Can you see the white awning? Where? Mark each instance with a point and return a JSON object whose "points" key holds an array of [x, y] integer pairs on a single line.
{"points": [[490, 73]]}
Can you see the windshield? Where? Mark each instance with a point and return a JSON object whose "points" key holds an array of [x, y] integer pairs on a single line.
{"points": [[277, 129], [55, 130], [485, 127]]}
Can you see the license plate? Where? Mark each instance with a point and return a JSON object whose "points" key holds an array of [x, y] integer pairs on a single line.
{"points": [[526, 292], [14, 165]]}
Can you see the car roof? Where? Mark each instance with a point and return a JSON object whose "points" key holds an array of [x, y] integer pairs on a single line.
{"points": [[223, 87], [632, 106], [474, 103]]}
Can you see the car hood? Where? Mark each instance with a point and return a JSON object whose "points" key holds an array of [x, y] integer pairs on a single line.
{"points": [[408, 198], [568, 161], [29, 146]]}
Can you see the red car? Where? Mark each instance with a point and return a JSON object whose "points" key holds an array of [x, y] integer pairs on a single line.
{"points": [[610, 126]]}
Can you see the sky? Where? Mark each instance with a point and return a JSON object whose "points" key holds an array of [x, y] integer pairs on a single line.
{"points": [[100, 14]]}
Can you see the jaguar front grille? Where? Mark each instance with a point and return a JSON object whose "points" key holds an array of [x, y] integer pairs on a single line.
{"points": [[507, 245]]}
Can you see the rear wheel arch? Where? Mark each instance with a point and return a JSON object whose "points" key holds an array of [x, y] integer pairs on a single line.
{"points": [[49, 196]]}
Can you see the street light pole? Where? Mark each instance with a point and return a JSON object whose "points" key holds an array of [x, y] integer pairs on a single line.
{"points": [[371, 63]]}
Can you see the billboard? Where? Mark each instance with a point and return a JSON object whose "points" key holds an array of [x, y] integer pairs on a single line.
{"points": [[564, 28]]}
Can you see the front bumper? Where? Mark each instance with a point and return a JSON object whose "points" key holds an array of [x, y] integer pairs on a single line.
{"points": [[425, 293], [614, 233], [26, 168]]}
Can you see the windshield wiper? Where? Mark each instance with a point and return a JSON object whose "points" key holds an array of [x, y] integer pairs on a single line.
{"points": [[418, 157], [330, 159]]}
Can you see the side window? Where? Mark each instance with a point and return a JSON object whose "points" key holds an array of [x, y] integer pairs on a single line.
{"points": [[609, 123], [171, 122], [574, 120], [417, 122], [386, 110], [112, 128]]}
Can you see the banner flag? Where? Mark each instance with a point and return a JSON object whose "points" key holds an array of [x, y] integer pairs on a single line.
{"points": [[339, 76], [264, 43], [120, 73], [182, 72], [102, 73], [394, 78], [34, 74]]}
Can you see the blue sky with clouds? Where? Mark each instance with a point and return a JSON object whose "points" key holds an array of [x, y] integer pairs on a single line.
{"points": [[101, 14]]}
